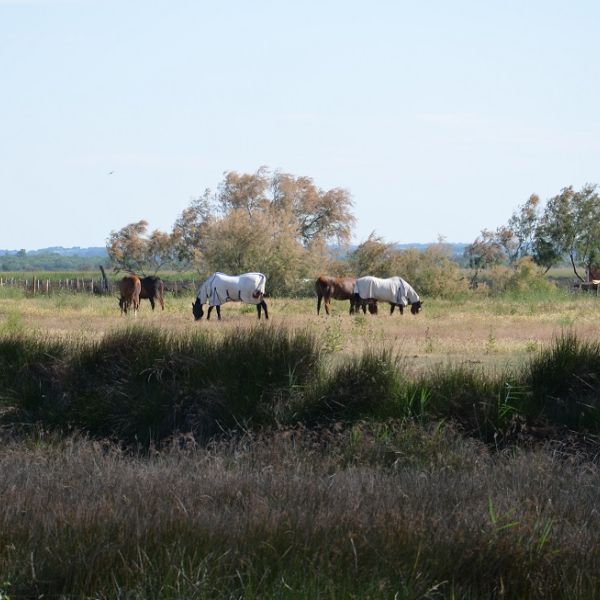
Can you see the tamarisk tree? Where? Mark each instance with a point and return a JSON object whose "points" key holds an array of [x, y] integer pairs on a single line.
{"points": [[277, 223], [132, 249]]}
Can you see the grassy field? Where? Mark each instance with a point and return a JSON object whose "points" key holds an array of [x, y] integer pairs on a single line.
{"points": [[449, 455], [479, 330]]}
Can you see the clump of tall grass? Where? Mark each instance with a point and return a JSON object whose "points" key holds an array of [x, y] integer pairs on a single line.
{"points": [[565, 382], [368, 384], [143, 383], [481, 402]]}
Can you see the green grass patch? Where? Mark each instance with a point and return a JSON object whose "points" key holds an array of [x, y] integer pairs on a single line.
{"points": [[142, 384]]}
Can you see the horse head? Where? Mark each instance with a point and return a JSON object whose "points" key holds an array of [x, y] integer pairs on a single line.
{"points": [[415, 307], [197, 310]]}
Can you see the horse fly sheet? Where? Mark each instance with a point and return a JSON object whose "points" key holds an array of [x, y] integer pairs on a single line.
{"points": [[220, 288], [394, 290]]}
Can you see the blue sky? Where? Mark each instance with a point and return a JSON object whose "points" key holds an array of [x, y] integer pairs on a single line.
{"points": [[439, 117]]}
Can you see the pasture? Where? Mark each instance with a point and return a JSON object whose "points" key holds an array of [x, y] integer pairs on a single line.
{"points": [[352, 457], [478, 330]]}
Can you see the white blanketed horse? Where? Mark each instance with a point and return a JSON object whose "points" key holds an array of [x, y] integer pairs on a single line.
{"points": [[220, 288], [394, 290]]}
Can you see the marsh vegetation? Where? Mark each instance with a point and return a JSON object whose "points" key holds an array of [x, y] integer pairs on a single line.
{"points": [[453, 454]]}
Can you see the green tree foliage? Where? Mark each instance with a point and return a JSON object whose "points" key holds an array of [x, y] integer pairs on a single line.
{"points": [[570, 226], [509, 243], [517, 238]]}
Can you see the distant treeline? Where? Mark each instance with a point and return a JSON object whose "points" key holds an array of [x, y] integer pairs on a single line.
{"points": [[52, 261], [88, 259]]}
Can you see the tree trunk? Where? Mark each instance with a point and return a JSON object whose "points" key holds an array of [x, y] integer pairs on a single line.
{"points": [[575, 268]]}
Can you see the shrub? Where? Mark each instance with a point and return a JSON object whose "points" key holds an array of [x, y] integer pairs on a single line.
{"points": [[432, 272], [524, 278]]}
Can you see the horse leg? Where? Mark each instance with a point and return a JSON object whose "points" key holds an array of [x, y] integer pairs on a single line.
{"points": [[151, 302], [392, 306], [208, 313], [219, 312], [162, 302], [319, 298], [264, 305], [328, 305], [258, 310]]}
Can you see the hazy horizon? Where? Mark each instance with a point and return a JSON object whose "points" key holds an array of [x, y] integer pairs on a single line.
{"points": [[84, 248]]}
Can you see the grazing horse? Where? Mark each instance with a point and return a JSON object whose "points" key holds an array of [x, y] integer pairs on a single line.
{"points": [[153, 290], [394, 290], [220, 288], [338, 288], [129, 289]]}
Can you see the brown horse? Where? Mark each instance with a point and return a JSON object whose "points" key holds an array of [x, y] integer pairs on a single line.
{"points": [[129, 289], [153, 290], [339, 288]]}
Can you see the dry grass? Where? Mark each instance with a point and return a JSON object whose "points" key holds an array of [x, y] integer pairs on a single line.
{"points": [[361, 513], [484, 331], [368, 509]]}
